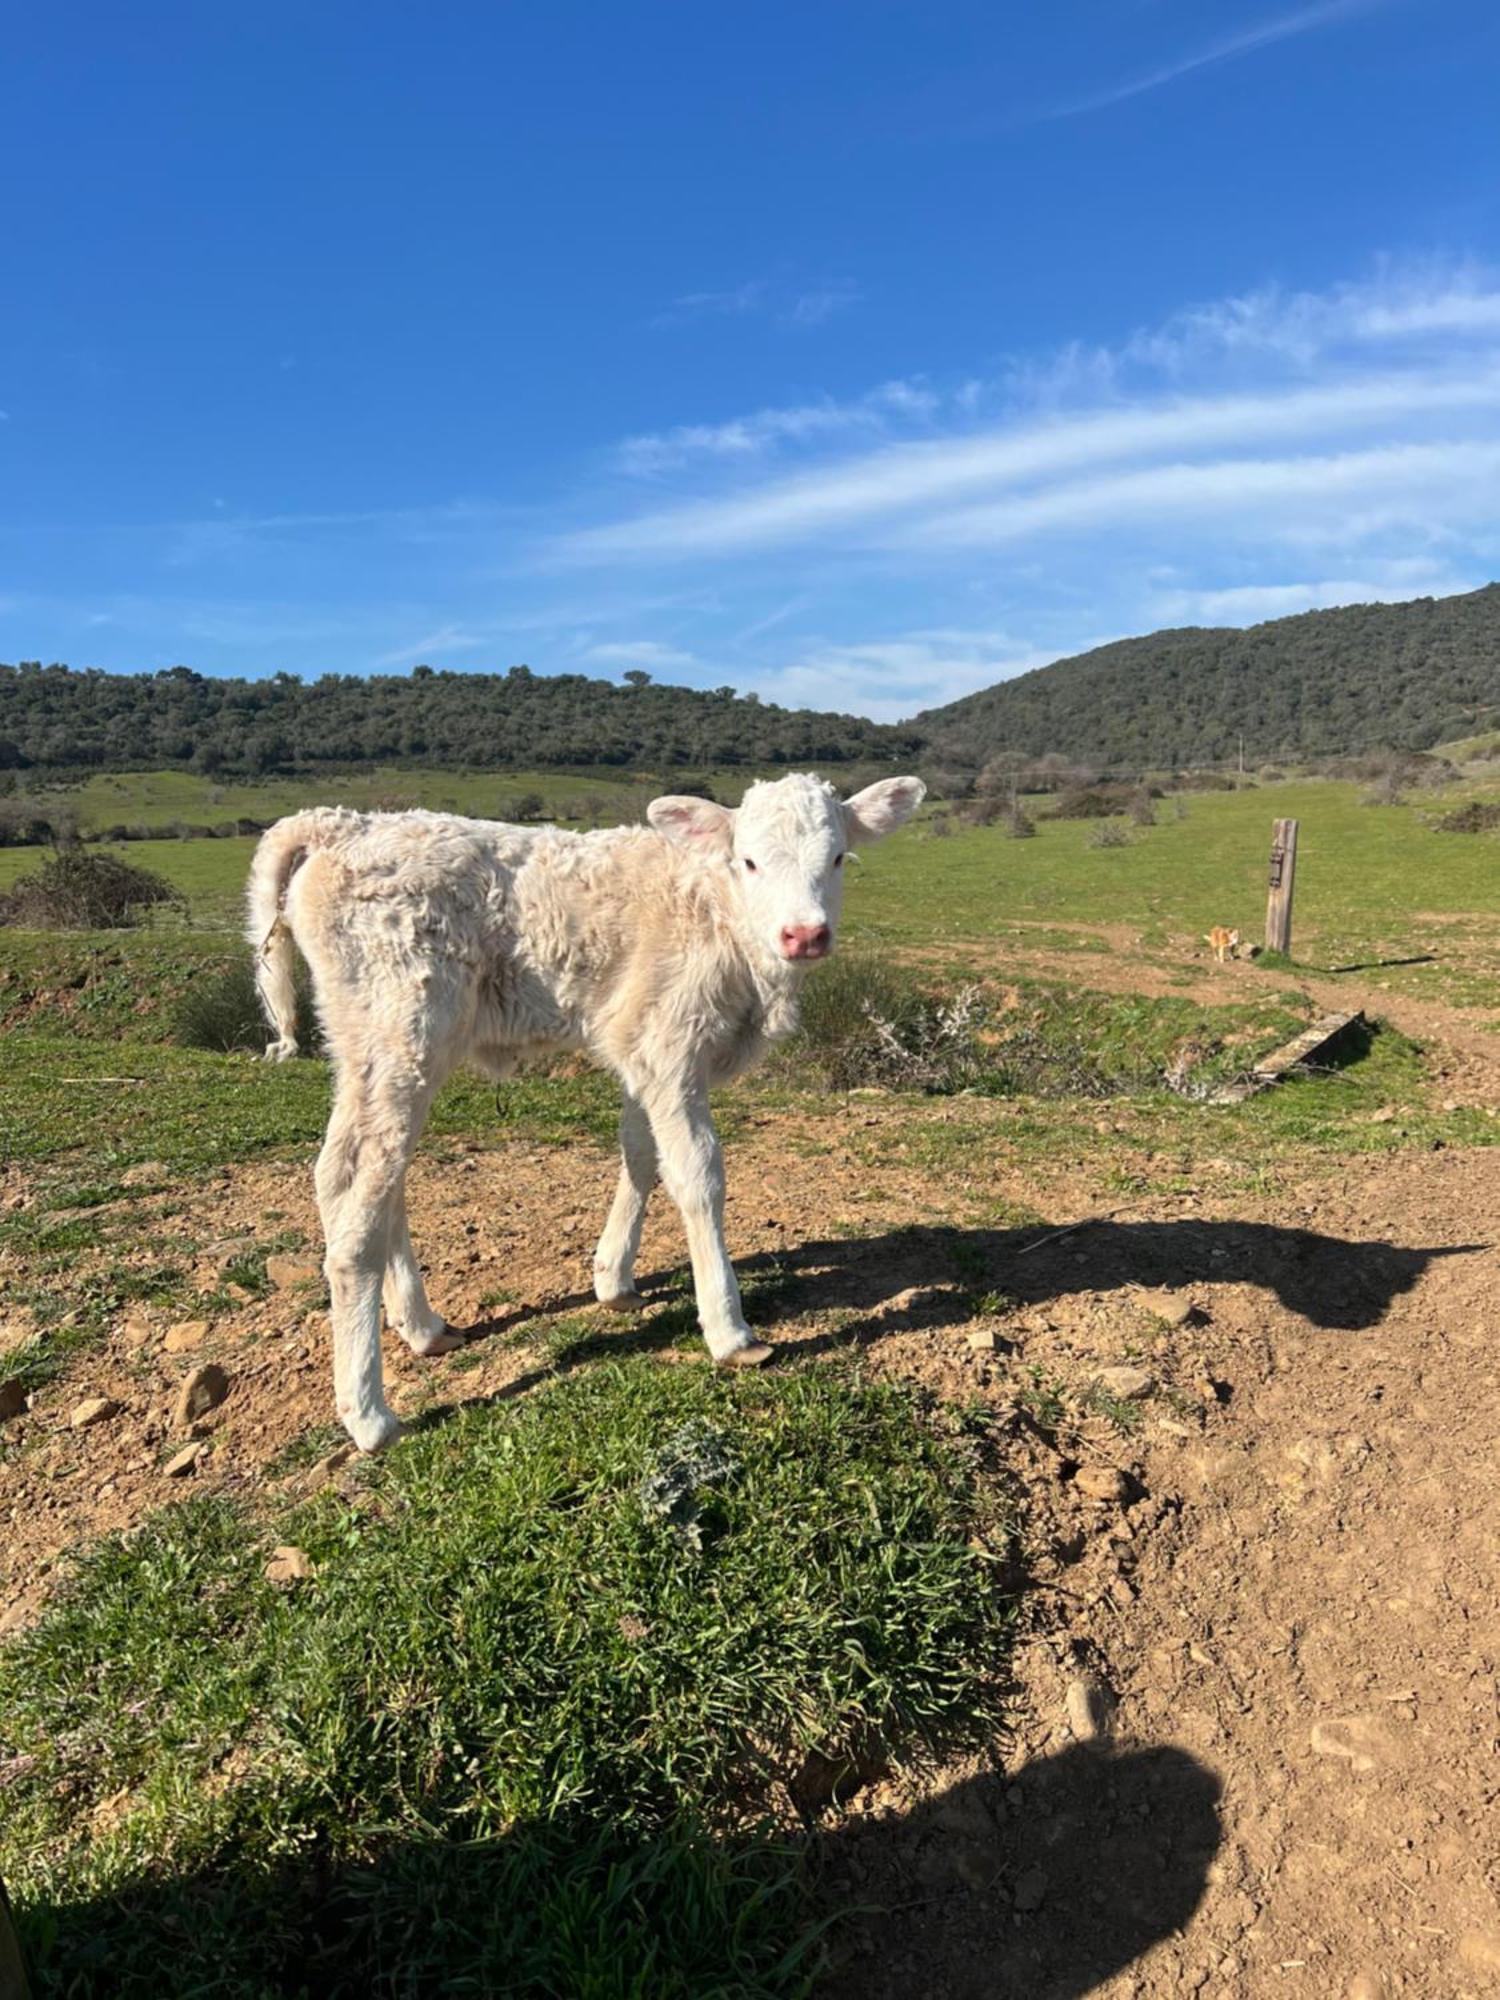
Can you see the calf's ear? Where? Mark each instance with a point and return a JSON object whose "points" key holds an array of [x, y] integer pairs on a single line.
{"points": [[692, 822], [882, 807]]}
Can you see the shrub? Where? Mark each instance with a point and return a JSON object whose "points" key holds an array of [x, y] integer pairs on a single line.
{"points": [[865, 1022], [1090, 802], [1141, 809], [1476, 817], [939, 825], [1110, 833], [1019, 824], [221, 1011], [78, 891], [984, 811]]}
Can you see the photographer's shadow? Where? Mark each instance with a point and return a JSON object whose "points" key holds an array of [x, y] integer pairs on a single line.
{"points": [[1037, 1885]]}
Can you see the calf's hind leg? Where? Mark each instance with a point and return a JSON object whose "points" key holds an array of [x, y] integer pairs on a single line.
{"points": [[614, 1260], [407, 1311], [359, 1179]]}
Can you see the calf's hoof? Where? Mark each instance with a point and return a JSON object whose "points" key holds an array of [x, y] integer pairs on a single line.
{"points": [[438, 1340], [754, 1356], [375, 1431], [622, 1302]]}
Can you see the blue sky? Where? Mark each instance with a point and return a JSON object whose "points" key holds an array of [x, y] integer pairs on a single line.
{"points": [[859, 354]]}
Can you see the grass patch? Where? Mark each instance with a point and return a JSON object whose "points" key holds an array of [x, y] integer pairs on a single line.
{"points": [[503, 1668], [121, 1103]]}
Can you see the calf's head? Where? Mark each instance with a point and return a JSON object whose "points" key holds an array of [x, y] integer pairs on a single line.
{"points": [[785, 849]]}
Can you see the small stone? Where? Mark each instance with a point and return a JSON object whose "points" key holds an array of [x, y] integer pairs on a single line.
{"points": [[185, 1460], [12, 1399], [204, 1390], [1384, 1116], [1362, 1741], [1368, 1984], [321, 1473], [1090, 1708], [1128, 1383], [1102, 1482], [94, 1410], [981, 1341], [288, 1564], [135, 1332], [284, 1272], [1030, 1890], [1170, 1307], [186, 1335], [1479, 1951]]}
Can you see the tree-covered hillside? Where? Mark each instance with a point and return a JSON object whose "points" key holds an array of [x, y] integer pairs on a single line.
{"points": [[1393, 676], [1390, 676], [52, 718]]}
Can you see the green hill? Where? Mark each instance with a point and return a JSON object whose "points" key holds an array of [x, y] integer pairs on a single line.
{"points": [[1389, 676], [1393, 676], [55, 719]]}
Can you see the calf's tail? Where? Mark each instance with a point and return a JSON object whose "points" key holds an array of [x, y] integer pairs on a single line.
{"points": [[282, 850]]}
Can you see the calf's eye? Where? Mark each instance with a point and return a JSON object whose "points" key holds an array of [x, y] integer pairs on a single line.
{"points": [[838, 860], [749, 864]]}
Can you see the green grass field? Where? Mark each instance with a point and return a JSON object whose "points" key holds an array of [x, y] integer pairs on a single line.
{"points": [[511, 1728], [1375, 885], [161, 798]]}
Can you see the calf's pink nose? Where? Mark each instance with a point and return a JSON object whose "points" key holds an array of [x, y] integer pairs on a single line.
{"points": [[805, 940]]}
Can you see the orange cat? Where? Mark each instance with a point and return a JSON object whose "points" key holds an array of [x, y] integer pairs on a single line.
{"points": [[1224, 942]]}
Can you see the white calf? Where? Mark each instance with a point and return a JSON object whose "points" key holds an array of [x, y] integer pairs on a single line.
{"points": [[672, 954]]}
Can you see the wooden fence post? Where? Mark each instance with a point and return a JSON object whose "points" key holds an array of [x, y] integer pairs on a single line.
{"points": [[1283, 879]]}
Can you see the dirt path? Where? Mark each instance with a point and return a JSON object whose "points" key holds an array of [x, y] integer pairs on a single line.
{"points": [[1293, 1609]]}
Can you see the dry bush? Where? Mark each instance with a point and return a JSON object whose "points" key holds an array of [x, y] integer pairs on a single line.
{"points": [[79, 891], [1476, 817]]}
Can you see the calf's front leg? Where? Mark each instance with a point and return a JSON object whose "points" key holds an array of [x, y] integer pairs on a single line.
{"points": [[693, 1171]]}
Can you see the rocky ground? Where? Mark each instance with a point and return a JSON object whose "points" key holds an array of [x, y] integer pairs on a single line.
{"points": [[1256, 1746]]}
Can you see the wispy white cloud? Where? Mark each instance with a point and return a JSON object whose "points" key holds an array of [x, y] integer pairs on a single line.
{"points": [[649, 653], [893, 677], [1376, 489], [749, 297], [1406, 359], [902, 478], [440, 644], [776, 300], [1251, 604], [812, 308], [750, 436], [1279, 29]]}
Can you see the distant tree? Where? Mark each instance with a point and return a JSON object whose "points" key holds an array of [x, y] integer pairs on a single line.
{"points": [[636, 678]]}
